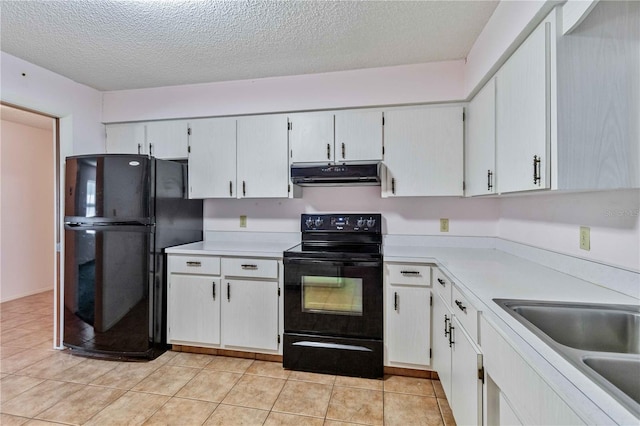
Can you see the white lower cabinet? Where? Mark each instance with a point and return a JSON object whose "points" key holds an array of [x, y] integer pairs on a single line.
{"points": [[457, 357], [250, 314], [194, 309], [407, 315], [515, 390], [193, 300], [224, 302]]}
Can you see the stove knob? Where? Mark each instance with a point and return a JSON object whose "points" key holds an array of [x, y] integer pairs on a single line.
{"points": [[370, 222], [308, 222], [360, 222], [318, 222]]}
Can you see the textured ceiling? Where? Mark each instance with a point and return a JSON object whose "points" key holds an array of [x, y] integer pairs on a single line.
{"points": [[113, 45]]}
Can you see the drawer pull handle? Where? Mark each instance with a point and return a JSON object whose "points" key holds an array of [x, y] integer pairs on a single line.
{"points": [[442, 283], [228, 291], [194, 264], [213, 289], [250, 267], [412, 273], [395, 301], [461, 306], [451, 341]]}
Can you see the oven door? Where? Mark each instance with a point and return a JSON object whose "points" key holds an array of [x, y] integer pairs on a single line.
{"points": [[333, 297]]}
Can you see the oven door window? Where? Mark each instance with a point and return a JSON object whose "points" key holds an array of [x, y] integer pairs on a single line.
{"points": [[332, 295]]}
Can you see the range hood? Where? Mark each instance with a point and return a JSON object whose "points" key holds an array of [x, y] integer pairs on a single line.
{"points": [[336, 175]]}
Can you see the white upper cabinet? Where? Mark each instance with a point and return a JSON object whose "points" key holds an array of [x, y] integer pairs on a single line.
{"points": [[262, 149], [336, 137], [127, 138], [311, 137], [480, 153], [161, 139], [358, 136], [523, 115], [423, 152], [167, 139], [212, 158]]}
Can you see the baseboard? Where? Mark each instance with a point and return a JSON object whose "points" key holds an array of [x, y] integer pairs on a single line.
{"points": [[225, 352], [29, 293]]}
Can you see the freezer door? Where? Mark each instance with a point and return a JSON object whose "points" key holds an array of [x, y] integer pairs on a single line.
{"points": [[109, 188], [108, 299]]}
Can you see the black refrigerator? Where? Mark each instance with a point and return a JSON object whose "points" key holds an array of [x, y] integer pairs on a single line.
{"points": [[121, 212]]}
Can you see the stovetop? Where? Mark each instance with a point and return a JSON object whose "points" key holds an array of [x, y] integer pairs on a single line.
{"points": [[339, 235]]}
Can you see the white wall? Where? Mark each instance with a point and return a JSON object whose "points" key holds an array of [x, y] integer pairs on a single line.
{"points": [[419, 83], [79, 106], [419, 215], [553, 222], [27, 183]]}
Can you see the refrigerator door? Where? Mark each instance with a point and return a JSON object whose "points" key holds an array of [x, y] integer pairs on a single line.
{"points": [[109, 189], [108, 299]]}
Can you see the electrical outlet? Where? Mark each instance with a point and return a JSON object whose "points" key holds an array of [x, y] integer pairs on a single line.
{"points": [[585, 238], [243, 221], [444, 225]]}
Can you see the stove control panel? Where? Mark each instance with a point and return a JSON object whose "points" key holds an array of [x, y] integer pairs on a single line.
{"points": [[369, 222]]}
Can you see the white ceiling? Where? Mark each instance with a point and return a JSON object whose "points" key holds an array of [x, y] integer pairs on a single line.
{"points": [[114, 45]]}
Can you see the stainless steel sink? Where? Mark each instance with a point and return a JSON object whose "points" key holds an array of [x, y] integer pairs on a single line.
{"points": [[601, 340]]}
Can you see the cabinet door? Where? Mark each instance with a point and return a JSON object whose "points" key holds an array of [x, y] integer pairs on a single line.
{"points": [[358, 136], [480, 154], [126, 139], [523, 115], [263, 166], [466, 388], [250, 314], [168, 139], [441, 353], [408, 319], [311, 137], [212, 158], [194, 309], [423, 152]]}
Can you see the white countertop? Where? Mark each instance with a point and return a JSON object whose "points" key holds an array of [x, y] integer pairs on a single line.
{"points": [[485, 274], [233, 248]]}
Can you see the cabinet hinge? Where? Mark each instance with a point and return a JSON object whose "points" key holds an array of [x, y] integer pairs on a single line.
{"points": [[189, 131], [481, 374], [278, 339]]}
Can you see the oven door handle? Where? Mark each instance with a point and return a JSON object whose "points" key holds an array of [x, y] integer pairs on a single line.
{"points": [[364, 263]]}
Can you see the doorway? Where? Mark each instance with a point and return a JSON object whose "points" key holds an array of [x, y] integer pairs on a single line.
{"points": [[29, 204]]}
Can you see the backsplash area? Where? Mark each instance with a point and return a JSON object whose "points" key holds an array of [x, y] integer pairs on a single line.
{"points": [[550, 221]]}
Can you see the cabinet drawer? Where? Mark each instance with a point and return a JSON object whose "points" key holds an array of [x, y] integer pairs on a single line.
{"points": [[442, 284], [201, 265], [409, 274], [252, 268], [465, 312]]}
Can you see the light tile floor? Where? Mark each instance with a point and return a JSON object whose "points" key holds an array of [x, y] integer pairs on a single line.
{"points": [[39, 386]]}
